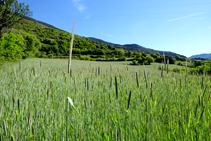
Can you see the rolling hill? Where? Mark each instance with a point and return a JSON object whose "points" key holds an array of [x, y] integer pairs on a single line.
{"points": [[130, 47]]}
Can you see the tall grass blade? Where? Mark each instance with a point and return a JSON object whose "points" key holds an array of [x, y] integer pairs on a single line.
{"points": [[98, 70], [137, 79], [67, 113], [167, 66], [20, 65], [5, 128], [162, 71], [151, 93], [146, 79], [129, 98], [116, 86], [69, 100]]}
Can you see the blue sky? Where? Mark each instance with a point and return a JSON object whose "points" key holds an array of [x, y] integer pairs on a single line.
{"points": [[180, 26]]}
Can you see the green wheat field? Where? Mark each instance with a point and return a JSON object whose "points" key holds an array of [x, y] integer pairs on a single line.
{"points": [[107, 101]]}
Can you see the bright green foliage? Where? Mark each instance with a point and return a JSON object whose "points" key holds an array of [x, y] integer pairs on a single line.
{"points": [[201, 67], [134, 62], [31, 43], [11, 47], [149, 59], [178, 70], [57, 42], [177, 57], [10, 13]]}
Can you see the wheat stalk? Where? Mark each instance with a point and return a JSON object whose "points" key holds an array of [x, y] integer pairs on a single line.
{"points": [[71, 48]]}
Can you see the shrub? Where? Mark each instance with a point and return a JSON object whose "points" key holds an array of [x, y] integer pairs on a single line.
{"points": [[50, 55], [179, 63], [149, 60], [86, 58], [31, 44], [197, 63], [140, 60], [178, 70], [11, 46], [193, 71], [134, 62], [122, 59]]}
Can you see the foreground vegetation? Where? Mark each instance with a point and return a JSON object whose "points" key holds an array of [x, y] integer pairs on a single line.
{"points": [[112, 101]]}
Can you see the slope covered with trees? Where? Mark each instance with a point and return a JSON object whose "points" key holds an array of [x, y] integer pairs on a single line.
{"points": [[45, 42]]}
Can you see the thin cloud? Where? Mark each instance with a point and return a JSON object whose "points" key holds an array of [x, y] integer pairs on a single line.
{"points": [[186, 16], [79, 5], [87, 17]]}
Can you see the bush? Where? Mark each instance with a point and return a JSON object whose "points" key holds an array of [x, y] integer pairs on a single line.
{"points": [[149, 60], [122, 59], [197, 63], [178, 70], [50, 55], [193, 71], [141, 60], [179, 63], [31, 43], [87, 58], [11, 47], [134, 62]]}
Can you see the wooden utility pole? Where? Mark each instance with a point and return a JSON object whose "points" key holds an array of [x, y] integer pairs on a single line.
{"points": [[71, 48]]}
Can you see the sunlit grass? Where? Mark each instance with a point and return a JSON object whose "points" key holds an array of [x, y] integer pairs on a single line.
{"points": [[115, 103]]}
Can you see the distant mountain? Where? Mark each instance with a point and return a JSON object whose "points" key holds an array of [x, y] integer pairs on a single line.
{"points": [[204, 55], [137, 47]]}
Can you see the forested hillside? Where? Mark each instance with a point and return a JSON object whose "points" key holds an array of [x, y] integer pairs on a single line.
{"points": [[31, 38]]}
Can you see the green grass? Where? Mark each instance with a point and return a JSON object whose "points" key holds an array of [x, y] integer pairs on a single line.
{"points": [[33, 102]]}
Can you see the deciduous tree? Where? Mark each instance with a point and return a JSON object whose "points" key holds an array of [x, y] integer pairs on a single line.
{"points": [[11, 11]]}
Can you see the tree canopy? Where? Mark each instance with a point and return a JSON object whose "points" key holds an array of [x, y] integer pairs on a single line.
{"points": [[11, 11]]}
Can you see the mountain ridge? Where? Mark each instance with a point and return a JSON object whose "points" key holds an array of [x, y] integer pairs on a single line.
{"points": [[203, 55], [137, 47]]}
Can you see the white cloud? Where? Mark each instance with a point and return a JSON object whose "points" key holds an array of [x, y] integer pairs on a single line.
{"points": [[79, 5], [186, 16]]}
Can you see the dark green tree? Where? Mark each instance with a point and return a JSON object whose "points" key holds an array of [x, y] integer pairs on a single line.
{"points": [[177, 57], [11, 11]]}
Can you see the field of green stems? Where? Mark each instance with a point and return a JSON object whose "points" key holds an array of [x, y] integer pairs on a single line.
{"points": [[39, 100]]}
